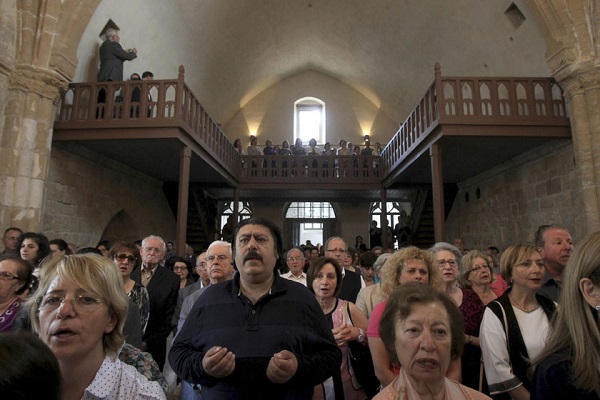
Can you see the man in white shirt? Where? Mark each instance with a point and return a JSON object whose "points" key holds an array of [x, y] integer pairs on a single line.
{"points": [[295, 263]]}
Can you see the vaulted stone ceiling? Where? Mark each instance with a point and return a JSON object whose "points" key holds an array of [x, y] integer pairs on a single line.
{"points": [[386, 49]]}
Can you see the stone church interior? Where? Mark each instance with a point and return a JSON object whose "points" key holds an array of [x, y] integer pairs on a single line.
{"points": [[484, 112]]}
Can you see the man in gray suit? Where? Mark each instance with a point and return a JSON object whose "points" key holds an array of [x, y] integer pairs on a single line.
{"points": [[112, 57]]}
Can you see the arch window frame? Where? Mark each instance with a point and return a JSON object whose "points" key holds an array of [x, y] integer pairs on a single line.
{"points": [[310, 105]]}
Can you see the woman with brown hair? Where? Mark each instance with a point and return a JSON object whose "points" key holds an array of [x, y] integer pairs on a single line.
{"points": [[515, 326]]}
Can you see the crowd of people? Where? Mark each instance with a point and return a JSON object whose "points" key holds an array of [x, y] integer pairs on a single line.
{"points": [[252, 320], [299, 149]]}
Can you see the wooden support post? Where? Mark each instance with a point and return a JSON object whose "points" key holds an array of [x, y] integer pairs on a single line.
{"points": [[437, 186], [182, 201]]}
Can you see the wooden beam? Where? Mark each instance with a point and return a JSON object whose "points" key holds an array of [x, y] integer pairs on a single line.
{"points": [[437, 186], [182, 202]]}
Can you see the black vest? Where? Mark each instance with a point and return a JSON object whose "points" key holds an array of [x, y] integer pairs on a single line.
{"points": [[350, 286], [519, 358]]}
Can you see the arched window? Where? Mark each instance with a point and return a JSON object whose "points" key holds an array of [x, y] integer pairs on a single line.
{"points": [[310, 221], [244, 211], [309, 120], [393, 212]]}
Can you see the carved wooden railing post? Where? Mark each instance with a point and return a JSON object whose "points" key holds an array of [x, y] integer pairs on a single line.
{"points": [[179, 93], [439, 93]]}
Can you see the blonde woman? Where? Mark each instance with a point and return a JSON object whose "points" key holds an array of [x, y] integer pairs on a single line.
{"points": [[568, 367], [515, 326], [79, 311], [406, 265]]}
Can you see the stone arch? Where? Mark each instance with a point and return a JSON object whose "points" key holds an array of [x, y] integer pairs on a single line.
{"points": [[572, 36], [121, 227], [571, 33]]}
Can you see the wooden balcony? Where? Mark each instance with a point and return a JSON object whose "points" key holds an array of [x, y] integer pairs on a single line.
{"points": [[476, 123], [148, 134]]}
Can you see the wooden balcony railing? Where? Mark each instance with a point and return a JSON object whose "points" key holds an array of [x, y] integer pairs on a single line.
{"points": [[328, 169], [449, 101], [477, 102], [162, 104]]}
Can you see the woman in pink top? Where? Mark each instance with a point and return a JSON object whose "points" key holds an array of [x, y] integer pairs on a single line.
{"points": [[422, 331]]}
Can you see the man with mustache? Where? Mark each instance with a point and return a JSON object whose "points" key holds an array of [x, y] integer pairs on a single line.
{"points": [[257, 336]]}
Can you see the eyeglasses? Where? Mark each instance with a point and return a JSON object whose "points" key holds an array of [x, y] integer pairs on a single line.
{"points": [[123, 257], [478, 268], [341, 251], [294, 259], [179, 268], [452, 263], [201, 265], [81, 302], [7, 276], [220, 257]]}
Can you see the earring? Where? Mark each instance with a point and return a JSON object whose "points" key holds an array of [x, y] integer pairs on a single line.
{"points": [[598, 308]]}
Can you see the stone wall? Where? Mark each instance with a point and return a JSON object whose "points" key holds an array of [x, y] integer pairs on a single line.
{"points": [[89, 197], [349, 114], [539, 187]]}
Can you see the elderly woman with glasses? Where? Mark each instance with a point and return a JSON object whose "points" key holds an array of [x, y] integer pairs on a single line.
{"points": [[183, 268], [15, 277], [515, 326], [79, 311], [126, 257], [422, 331], [448, 259]]}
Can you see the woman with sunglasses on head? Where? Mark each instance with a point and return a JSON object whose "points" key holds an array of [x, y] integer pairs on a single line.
{"points": [[79, 312], [126, 257], [515, 326]]}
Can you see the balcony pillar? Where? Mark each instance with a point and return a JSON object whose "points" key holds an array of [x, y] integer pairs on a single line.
{"points": [[437, 187], [385, 232], [182, 201], [236, 206]]}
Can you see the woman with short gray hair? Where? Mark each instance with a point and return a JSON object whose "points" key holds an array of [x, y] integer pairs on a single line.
{"points": [[448, 259]]}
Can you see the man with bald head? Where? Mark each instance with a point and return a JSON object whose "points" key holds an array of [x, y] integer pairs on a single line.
{"points": [[555, 245], [202, 282], [295, 263], [336, 248], [163, 287], [219, 268]]}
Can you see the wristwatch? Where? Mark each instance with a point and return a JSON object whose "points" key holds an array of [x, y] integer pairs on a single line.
{"points": [[361, 336]]}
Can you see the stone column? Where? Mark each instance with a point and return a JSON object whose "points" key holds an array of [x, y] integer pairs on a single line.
{"points": [[570, 28], [38, 42], [581, 84], [25, 146]]}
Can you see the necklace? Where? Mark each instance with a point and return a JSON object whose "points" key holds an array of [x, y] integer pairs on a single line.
{"points": [[525, 310]]}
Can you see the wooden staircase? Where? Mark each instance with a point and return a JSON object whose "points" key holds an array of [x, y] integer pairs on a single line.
{"points": [[424, 236]]}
